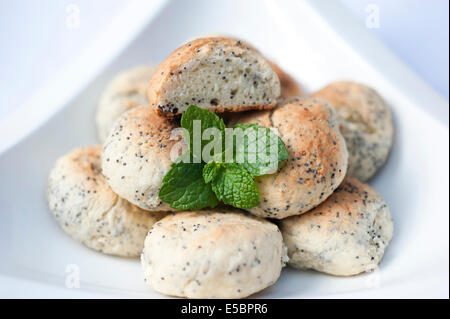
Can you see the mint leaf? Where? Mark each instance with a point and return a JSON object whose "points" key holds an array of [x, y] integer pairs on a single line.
{"points": [[184, 188], [255, 153], [206, 120], [235, 186], [211, 170]]}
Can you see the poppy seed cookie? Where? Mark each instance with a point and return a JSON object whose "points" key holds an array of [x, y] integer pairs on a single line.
{"points": [[136, 157], [317, 157], [218, 74], [212, 254], [90, 212], [126, 90], [365, 121], [345, 235]]}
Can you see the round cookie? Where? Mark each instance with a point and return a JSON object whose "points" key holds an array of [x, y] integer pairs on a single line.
{"points": [[126, 90], [317, 163], [136, 157], [289, 87], [345, 235], [212, 254], [90, 212], [365, 121], [218, 74]]}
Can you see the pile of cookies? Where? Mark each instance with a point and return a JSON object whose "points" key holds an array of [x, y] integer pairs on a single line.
{"points": [[315, 212]]}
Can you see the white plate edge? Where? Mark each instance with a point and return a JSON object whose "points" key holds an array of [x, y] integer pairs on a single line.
{"points": [[71, 80]]}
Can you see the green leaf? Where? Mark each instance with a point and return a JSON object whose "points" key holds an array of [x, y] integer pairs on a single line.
{"points": [[211, 170], [235, 186], [195, 185], [254, 152], [184, 188], [207, 120]]}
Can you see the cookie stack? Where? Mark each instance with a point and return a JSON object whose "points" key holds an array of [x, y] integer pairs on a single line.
{"points": [[315, 212]]}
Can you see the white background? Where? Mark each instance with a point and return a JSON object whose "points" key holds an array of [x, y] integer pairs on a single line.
{"points": [[415, 30]]}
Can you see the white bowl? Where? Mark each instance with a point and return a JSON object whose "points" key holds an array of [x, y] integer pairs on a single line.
{"points": [[317, 42]]}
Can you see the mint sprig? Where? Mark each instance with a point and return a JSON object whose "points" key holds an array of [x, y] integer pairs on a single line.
{"points": [[184, 187], [204, 183]]}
